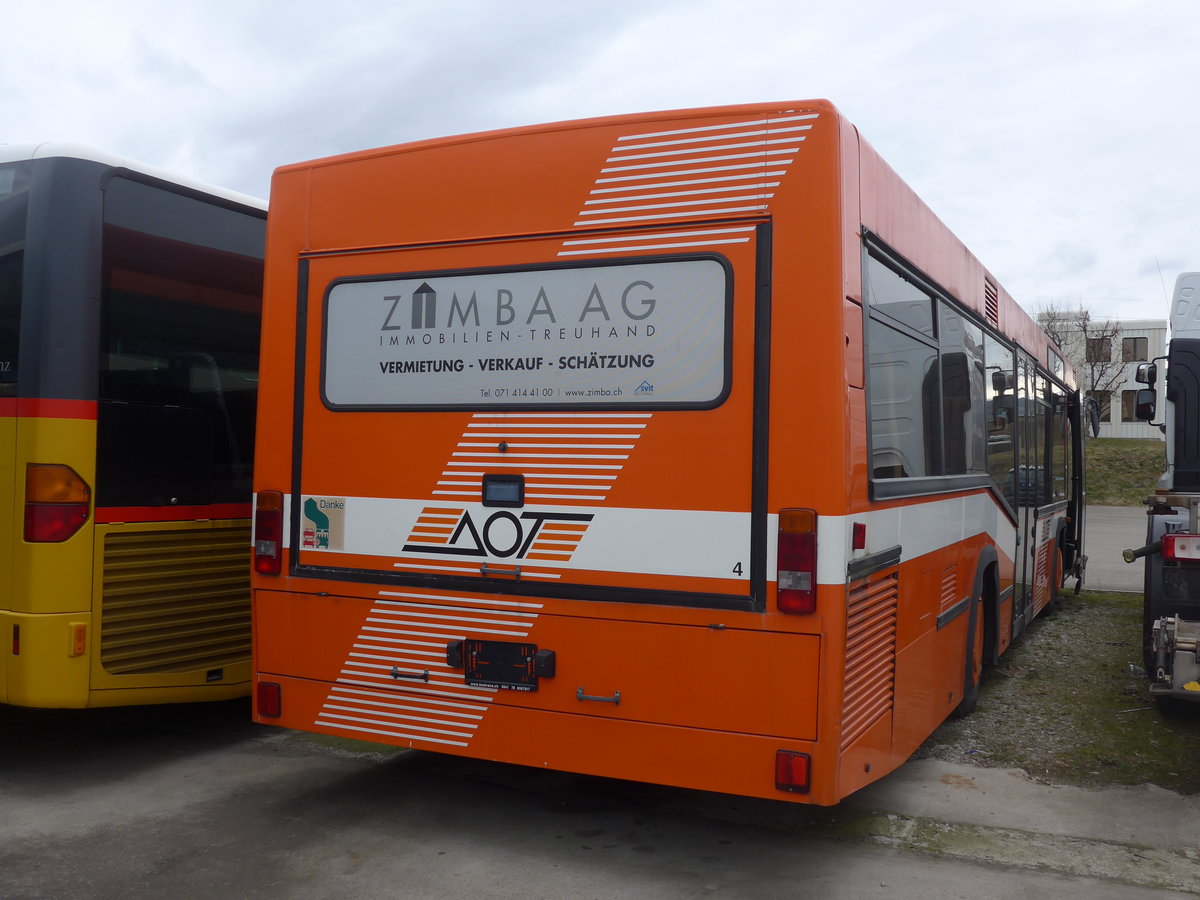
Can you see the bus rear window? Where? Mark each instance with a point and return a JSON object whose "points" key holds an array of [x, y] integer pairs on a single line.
{"points": [[182, 288], [637, 333]]}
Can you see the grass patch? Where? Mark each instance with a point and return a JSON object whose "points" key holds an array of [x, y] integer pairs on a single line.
{"points": [[1122, 472], [1064, 705]]}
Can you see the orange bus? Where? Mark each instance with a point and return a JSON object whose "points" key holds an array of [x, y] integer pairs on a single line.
{"points": [[686, 447]]}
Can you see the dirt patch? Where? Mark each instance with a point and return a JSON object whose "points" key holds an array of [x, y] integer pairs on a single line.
{"points": [[1068, 703]]}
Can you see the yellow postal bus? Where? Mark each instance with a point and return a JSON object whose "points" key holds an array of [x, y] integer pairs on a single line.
{"points": [[129, 321]]}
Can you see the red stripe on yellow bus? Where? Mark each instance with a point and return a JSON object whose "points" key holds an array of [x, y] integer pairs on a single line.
{"points": [[108, 514], [42, 408]]}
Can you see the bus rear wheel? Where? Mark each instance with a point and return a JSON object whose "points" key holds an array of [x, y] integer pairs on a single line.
{"points": [[973, 662]]}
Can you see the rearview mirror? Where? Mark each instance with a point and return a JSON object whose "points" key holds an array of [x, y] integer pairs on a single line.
{"points": [[1145, 403], [1091, 414], [1147, 373]]}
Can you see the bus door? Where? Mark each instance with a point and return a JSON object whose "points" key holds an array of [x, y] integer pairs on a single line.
{"points": [[506, 425], [475, 419], [1026, 474]]}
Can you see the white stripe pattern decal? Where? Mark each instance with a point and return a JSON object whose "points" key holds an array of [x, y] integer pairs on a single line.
{"points": [[402, 647], [714, 170], [571, 458]]}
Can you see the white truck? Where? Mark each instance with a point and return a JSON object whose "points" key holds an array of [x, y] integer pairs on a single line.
{"points": [[1171, 617]]}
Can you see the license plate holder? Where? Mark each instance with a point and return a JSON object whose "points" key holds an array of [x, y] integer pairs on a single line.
{"points": [[505, 665]]}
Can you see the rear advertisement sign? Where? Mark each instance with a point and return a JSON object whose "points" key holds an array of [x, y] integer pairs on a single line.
{"points": [[643, 332]]}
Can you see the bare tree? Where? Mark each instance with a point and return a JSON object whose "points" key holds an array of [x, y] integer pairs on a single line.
{"points": [[1092, 346], [1059, 324]]}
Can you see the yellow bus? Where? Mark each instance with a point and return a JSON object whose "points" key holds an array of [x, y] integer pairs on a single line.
{"points": [[129, 320]]}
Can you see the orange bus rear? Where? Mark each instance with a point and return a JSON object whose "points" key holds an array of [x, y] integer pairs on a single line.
{"points": [[683, 447]]}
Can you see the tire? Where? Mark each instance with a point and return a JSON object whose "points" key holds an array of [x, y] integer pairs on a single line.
{"points": [[972, 662], [1057, 579]]}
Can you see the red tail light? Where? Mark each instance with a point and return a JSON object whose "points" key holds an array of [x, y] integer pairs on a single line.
{"points": [[1177, 547], [57, 502], [268, 533], [793, 771], [797, 561]]}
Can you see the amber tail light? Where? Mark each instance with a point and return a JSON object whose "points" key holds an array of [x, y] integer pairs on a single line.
{"points": [[57, 503]]}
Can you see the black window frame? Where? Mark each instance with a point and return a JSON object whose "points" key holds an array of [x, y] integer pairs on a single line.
{"points": [[1140, 351], [1040, 391], [934, 425]]}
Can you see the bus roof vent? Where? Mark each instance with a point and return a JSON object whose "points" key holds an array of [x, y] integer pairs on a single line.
{"points": [[991, 303]]}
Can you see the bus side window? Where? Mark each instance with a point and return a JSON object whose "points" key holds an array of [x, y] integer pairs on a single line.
{"points": [[14, 209], [1001, 415], [899, 368], [10, 318]]}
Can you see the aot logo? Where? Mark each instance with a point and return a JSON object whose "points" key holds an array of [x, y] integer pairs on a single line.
{"points": [[503, 534]]}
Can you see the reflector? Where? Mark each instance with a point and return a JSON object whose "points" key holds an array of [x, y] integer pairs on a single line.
{"points": [[269, 699], [793, 771]]}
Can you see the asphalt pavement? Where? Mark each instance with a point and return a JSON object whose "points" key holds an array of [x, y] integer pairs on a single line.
{"points": [[1108, 531], [200, 803]]}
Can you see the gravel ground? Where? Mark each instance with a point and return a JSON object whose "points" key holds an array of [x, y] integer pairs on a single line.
{"points": [[1068, 704]]}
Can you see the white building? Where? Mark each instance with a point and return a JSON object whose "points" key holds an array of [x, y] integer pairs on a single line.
{"points": [[1105, 354]]}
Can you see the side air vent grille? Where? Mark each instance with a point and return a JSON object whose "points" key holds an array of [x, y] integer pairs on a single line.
{"points": [[870, 684], [991, 303]]}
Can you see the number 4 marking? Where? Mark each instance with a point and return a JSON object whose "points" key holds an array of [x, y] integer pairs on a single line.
{"points": [[737, 569]]}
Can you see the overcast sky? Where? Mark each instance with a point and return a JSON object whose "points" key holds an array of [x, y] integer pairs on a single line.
{"points": [[1059, 138]]}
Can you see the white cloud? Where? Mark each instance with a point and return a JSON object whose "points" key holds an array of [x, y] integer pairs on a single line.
{"points": [[1057, 138]]}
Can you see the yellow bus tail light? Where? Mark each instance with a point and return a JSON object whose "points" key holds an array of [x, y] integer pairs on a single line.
{"points": [[57, 502], [268, 533], [797, 561]]}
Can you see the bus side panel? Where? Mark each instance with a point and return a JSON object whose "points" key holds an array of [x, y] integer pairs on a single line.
{"points": [[50, 587], [10, 524], [936, 590]]}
